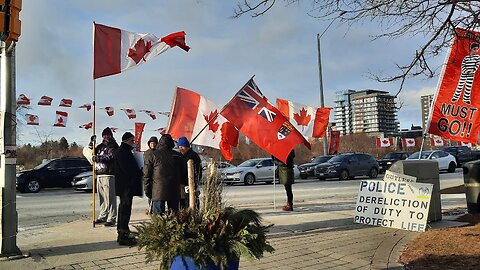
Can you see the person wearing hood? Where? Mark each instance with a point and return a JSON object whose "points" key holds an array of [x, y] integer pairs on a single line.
{"points": [[164, 172], [147, 159], [188, 154], [128, 183], [103, 158]]}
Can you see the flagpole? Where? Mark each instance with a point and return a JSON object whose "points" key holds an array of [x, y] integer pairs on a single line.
{"points": [[274, 186], [94, 180]]}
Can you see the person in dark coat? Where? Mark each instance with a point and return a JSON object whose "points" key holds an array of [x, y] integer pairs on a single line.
{"points": [[128, 183], [286, 177], [147, 157], [165, 173], [188, 154]]}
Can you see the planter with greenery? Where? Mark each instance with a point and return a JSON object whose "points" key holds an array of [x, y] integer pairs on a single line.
{"points": [[215, 235]]}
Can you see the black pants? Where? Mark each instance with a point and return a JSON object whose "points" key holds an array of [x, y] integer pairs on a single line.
{"points": [[288, 189], [124, 213]]}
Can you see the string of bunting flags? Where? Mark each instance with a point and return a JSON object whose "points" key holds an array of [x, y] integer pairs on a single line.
{"points": [[412, 142]]}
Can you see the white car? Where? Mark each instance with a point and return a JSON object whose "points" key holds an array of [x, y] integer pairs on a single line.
{"points": [[83, 181], [445, 160]]}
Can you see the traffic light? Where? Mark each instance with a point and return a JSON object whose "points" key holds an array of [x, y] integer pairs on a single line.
{"points": [[10, 23]]}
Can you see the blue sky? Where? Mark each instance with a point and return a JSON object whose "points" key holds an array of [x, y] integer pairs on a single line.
{"points": [[54, 58]]}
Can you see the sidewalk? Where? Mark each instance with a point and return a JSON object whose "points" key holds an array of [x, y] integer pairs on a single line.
{"points": [[314, 236]]}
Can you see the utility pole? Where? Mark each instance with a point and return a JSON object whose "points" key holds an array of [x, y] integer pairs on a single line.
{"points": [[322, 101]]}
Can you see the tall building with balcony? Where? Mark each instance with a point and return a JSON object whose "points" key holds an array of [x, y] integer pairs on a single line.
{"points": [[365, 111], [426, 103]]}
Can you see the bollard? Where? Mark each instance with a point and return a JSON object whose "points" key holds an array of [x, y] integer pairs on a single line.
{"points": [[471, 178], [426, 171]]}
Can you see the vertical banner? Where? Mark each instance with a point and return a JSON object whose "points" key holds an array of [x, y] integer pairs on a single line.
{"points": [[454, 114], [138, 135], [334, 142]]}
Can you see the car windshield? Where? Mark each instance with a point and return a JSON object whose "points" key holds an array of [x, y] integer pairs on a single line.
{"points": [[449, 149], [392, 156], [425, 155], [339, 158], [249, 163], [41, 165], [321, 159]]}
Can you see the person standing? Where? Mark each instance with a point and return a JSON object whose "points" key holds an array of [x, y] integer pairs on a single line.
{"points": [[286, 177], [148, 159], [128, 183], [188, 154], [165, 173], [103, 158]]}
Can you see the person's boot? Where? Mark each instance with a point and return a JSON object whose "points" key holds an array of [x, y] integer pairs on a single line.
{"points": [[124, 239], [288, 207]]}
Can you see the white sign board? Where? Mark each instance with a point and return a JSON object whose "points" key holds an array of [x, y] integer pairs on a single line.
{"points": [[392, 204], [393, 176]]}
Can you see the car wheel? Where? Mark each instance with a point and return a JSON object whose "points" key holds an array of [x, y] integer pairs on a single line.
{"points": [[249, 179], [32, 186], [343, 175], [373, 173], [451, 167]]}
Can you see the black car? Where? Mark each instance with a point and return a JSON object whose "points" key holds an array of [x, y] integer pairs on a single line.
{"points": [[391, 158], [347, 166], [308, 169], [57, 172]]}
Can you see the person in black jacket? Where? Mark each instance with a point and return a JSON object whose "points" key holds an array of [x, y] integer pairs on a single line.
{"points": [[188, 154], [103, 158], [128, 183], [148, 157]]}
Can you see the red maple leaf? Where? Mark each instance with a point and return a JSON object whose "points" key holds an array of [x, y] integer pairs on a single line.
{"points": [[212, 121], [302, 119], [385, 141], [60, 119], [139, 50], [410, 141]]}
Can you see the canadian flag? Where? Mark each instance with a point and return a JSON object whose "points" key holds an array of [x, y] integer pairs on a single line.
{"points": [[45, 101], [86, 106], [23, 100], [408, 142], [65, 102], [150, 113], [469, 145], [116, 50], [384, 142], [130, 113], [31, 119], [61, 120], [437, 141], [193, 115], [109, 110], [310, 122], [161, 130], [86, 126]]}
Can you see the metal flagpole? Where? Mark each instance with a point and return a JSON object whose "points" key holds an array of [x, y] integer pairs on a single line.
{"points": [[274, 186], [94, 178]]}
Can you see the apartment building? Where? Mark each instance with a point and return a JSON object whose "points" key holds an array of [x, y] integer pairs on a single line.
{"points": [[426, 103], [365, 111]]}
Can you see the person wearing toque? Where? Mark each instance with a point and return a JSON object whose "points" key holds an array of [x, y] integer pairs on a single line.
{"points": [[188, 154], [128, 183], [103, 158], [147, 161]]}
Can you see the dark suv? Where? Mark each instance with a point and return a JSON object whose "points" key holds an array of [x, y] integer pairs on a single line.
{"points": [[308, 169], [347, 166], [57, 172], [391, 158]]}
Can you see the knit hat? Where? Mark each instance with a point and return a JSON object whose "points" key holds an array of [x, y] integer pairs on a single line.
{"points": [[107, 131], [183, 142], [152, 139], [127, 136], [166, 141]]}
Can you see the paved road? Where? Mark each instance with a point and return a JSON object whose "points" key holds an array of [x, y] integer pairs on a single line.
{"points": [[55, 206]]}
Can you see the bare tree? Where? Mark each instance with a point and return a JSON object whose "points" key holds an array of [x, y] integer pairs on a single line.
{"points": [[436, 21]]}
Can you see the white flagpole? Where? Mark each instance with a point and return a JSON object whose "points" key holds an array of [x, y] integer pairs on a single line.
{"points": [[274, 186]]}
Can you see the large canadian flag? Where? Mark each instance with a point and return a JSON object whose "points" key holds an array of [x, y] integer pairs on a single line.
{"points": [[408, 142], [116, 50], [192, 115], [384, 142], [310, 122], [61, 120]]}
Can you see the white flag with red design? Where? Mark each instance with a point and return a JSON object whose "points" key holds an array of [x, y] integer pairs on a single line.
{"points": [[384, 142], [161, 130], [61, 120], [408, 142], [191, 113], [65, 102], [87, 125], [150, 113], [109, 110], [130, 113], [437, 141], [469, 145], [86, 106], [310, 122], [23, 100], [31, 119], [45, 101], [116, 50]]}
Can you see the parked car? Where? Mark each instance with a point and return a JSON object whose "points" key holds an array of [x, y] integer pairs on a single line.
{"points": [[83, 181], [58, 172], [249, 172], [308, 169], [347, 166], [462, 154], [445, 160], [221, 166], [390, 158]]}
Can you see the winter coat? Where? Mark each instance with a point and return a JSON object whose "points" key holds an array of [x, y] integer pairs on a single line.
{"points": [[128, 177], [104, 157], [165, 172], [285, 171], [147, 161]]}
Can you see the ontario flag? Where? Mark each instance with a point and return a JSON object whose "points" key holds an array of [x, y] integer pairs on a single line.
{"points": [[310, 122], [384, 142], [251, 113], [192, 115], [116, 50]]}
